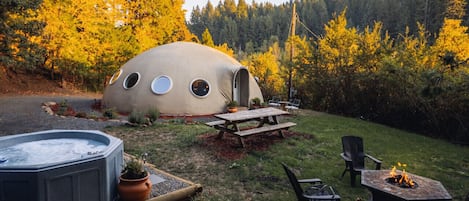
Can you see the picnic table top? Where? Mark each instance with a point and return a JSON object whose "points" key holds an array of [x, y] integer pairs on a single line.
{"points": [[251, 114]]}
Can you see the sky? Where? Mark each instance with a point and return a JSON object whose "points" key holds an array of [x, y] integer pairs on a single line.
{"points": [[189, 4]]}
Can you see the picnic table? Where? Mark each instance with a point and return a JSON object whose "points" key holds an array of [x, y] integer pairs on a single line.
{"points": [[267, 119]]}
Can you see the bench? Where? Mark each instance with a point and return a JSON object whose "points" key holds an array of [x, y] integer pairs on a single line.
{"points": [[215, 123], [263, 129]]}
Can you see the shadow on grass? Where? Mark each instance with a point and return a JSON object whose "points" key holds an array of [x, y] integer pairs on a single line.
{"points": [[229, 147]]}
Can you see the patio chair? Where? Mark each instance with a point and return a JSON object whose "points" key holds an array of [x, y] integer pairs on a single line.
{"points": [[317, 191], [354, 157], [293, 105], [274, 102]]}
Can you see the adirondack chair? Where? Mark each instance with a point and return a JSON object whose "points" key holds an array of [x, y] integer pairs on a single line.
{"points": [[354, 157], [315, 192], [293, 105], [274, 102]]}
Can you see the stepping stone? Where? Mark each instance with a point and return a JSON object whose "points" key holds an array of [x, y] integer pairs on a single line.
{"points": [[156, 179]]}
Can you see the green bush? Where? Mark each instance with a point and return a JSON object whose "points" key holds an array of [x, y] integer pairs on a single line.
{"points": [[256, 101], [137, 117], [81, 115], [110, 113], [63, 107], [153, 114]]}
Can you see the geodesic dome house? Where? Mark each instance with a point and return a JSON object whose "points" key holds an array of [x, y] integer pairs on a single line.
{"points": [[179, 79]]}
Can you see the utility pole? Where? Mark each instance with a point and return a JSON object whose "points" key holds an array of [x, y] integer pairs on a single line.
{"points": [[292, 50]]}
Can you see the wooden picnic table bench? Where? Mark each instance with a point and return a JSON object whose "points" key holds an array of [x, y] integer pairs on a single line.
{"points": [[266, 118]]}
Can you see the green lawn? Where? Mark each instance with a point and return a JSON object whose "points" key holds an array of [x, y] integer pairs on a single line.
{"points": [[178, 149]]}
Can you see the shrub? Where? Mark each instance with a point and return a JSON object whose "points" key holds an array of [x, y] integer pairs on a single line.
{"points": [[81, 115], [137, 117], [256, 101], [63, 109], [153, 114], [232, 103], [110, 113]]}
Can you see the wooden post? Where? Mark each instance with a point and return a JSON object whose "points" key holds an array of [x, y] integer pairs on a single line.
{"points": [[292, 33]]}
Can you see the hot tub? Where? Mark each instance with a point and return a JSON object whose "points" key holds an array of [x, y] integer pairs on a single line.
{"points": [[60, 165]]}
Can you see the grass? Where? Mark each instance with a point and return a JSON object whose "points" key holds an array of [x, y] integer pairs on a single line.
{"points": [[177, 148]]}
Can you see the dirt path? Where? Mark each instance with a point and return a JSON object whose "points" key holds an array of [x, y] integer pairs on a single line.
{"points": [[22, 114]]}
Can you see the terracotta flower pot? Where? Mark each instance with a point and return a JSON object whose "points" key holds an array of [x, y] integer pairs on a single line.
{"points": [[232, 109], [134, 189]]}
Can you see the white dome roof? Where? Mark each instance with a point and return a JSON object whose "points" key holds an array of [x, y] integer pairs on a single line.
{"points": [[163, 78]]}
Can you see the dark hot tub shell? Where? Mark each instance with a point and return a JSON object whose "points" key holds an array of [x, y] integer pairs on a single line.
{"points": [[94, 177]]}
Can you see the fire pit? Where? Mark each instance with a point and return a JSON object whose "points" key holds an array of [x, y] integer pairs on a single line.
{"points": [[401, 179], [377, 181]]}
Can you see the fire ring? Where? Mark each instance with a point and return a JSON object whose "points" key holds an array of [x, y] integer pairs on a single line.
{"points": [[396, 182]]}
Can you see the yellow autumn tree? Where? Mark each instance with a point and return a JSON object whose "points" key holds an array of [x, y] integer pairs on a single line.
{"points": [[371, 45], [70, 35], [207, 38], [157, 22], [339, 45], [452, 44], [297, 54], [265, 67], [208, 41]]}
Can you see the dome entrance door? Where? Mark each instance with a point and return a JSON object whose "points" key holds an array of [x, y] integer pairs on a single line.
{"points": [[241, 87]]}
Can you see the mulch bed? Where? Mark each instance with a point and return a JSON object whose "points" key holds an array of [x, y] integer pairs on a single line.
{"points": [[63, 109], [229, 147]]}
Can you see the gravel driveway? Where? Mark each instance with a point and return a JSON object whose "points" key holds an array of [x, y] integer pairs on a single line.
{"points": [[23, 114]]}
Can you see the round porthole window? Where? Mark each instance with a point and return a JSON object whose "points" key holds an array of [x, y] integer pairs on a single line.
{"points": [[115, 76], [161, 85], [131, 80], [200, 88]]}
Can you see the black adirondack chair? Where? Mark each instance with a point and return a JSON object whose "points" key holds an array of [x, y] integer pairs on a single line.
{"points": [[354, 157], [315, 192]]}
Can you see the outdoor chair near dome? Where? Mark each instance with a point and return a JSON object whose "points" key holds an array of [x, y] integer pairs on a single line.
{"points": [[293, 104], [274, 102]]}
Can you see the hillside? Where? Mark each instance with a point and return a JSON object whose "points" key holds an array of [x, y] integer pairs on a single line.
{"points": [[22, 83]]}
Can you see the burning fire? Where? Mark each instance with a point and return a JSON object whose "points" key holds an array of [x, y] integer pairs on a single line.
{"points": [[403, 179]]}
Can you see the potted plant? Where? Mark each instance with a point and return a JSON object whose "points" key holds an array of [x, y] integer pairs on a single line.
{"points": [[232, 106], [134, 182], [255, 103]]}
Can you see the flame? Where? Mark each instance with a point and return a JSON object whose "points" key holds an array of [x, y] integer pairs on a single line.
{"points": [[406, 179], [393, 172], [402, 179]]}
